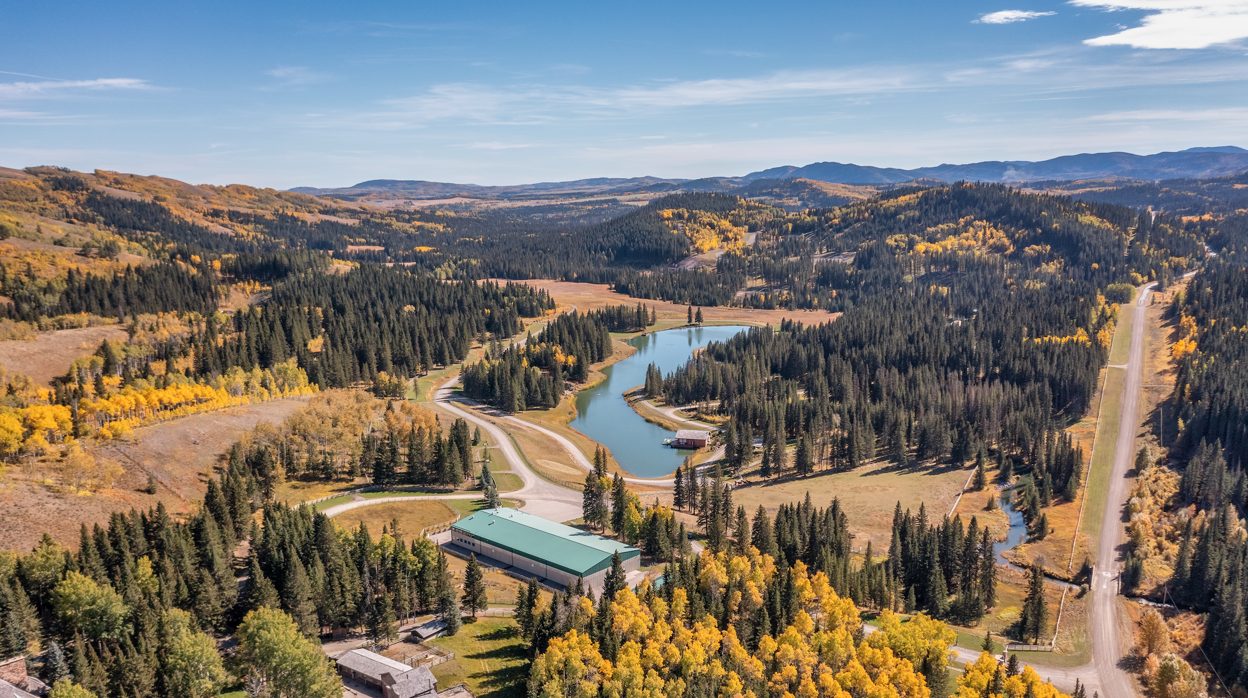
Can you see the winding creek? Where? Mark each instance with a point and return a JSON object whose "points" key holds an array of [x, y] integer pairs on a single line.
{"points": [[604, 415], [1017, 533]]}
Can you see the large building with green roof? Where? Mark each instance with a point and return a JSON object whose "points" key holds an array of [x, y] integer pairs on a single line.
{"points": [[545, 549]]}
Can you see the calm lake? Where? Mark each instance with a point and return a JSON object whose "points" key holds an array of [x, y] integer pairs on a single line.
{"points": [[604, 416]]}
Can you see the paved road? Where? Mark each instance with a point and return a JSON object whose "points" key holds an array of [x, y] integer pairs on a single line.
{"points": [[1106, 651], [447, 399], [541, 498]]}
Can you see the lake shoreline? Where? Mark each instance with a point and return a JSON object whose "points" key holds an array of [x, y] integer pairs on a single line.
{"points": [[604, 411]]}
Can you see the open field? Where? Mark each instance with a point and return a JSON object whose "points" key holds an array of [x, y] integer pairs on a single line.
{"points": [[413, 517], [593, 296], [49, 354], [179, 453], [490, 657], [507, 482], [975, 504], [867, 495]]}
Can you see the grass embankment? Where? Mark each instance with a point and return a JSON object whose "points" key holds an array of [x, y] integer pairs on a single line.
{"points": [[1101, 465], [323, 505], [507, 482], [413, 517]]}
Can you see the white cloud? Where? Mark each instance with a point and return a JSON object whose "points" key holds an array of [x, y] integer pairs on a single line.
{"points": [[496, 145], [1231, 115], [57, 88], [297, 75], [537, 104], [1176, 24], [1011, 16]]}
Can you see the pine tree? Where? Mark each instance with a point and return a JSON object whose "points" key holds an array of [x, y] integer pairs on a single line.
{"points": [[1035, 613], [54, 666], [260, 591], [802, 460], [297, 598], [526, 602], [1006, 466], [594, 502], [382, 626], [619, 505], [678, 484], [614, 582], [981, 475], [474, 598]]}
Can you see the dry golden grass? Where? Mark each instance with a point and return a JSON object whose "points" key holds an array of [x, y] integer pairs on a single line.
{"points": [[975, 504], [294, 492], [593, 296], [179, 453], [49, 354], [867, 495], [413, 517]]}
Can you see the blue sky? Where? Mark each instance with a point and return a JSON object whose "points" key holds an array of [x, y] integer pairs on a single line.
{"points": [[320, 94]]}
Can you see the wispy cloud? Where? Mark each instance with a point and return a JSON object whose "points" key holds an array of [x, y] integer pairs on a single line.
{"points": [[534, 104], [495, 145], [1176, 24], [1226, 115], [295, 75], [59, 88], [1011, 16]]}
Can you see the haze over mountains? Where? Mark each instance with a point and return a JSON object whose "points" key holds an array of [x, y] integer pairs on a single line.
{"points": [[1194, 162]]}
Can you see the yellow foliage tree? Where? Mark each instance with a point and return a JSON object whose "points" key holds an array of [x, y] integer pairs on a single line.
{"points": [[977, 682], [661, 652]]}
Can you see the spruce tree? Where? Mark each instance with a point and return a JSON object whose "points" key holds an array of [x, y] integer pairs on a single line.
{"points": [[1035, 613], [619, 505], [981, 475], [594, 502], [297, 598], [54, 666], [474, 598]]}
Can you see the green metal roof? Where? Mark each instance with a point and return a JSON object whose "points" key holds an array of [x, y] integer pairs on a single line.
{"points": [[565, 548]]}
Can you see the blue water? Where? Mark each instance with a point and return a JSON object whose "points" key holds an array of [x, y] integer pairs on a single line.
{"points": [[1018, 529], [604, 416]]}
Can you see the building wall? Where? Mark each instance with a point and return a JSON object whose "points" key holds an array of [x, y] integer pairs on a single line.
{"points": [[536, 568]]}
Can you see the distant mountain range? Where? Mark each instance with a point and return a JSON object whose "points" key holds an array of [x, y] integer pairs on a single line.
{"points": [[1191, 163]]}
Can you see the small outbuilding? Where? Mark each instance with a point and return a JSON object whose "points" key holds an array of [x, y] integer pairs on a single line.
{"points": [[689, 438], [395, 679], [534, 546]]}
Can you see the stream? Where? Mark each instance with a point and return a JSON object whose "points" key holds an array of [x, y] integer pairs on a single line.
{"points": [[1017, 533]]}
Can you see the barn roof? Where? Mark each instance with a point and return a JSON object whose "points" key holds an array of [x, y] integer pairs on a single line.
{"points": [[569, 549], [693, 434]]}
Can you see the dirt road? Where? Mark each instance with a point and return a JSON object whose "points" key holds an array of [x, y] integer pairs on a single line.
{"points": [[1106, 651]]}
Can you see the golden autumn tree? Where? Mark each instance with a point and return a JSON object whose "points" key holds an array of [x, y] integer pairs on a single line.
{"points": [[986, 678], [663, 652]]}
